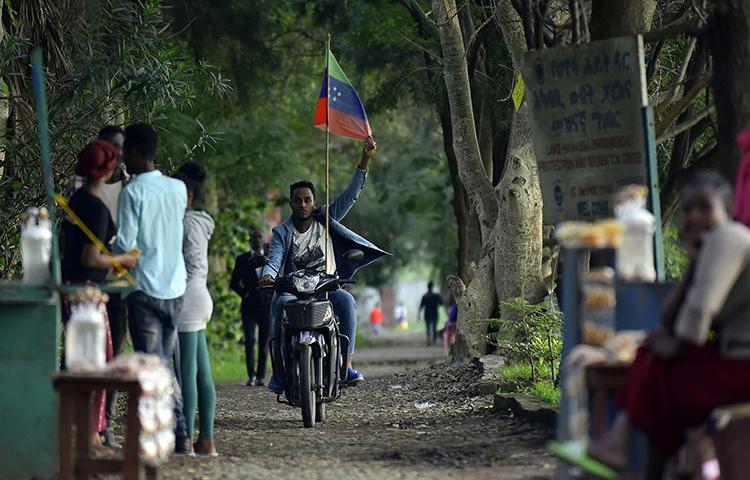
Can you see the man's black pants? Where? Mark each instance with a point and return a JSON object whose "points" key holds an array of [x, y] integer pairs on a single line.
{"points": [[256, 318], [431, 329]]}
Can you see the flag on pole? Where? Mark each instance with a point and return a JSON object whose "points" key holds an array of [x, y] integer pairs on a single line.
{"points": [[347, 114]]}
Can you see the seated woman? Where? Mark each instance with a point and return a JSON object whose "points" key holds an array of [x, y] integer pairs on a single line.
{"points": [[700, 358]]}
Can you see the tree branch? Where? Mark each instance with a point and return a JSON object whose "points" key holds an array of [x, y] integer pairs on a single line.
{"points": [[684, 24], [688, 124], [682, 105]]}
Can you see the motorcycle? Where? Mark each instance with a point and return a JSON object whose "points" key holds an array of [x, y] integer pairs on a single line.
{"points": [[311, 354]]}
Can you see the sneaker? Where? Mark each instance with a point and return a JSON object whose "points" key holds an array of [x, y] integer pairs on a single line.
{"points": [[108, 439], [260, 382], [275, 385], [353, 377], [250, 382]]}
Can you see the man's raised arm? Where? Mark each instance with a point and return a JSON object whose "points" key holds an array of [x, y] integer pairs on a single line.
{"points": [[344, 202]]}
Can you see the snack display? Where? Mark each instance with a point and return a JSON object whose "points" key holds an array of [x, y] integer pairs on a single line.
{"points": [[602, 234], [598, 306], [156, 407]]}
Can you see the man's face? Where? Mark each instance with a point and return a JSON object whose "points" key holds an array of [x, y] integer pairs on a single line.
{"points": [[302, 203], [118, 139], [256, 240]]}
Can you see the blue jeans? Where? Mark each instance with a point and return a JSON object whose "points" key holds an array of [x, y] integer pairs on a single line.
{"points": [[344, 307], [153, 328]]}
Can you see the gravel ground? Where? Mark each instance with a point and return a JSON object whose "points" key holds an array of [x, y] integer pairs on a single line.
{"points": [[414, 418]]}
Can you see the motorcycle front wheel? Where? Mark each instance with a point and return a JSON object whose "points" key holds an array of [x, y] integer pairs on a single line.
{"points": [[307, 386]]}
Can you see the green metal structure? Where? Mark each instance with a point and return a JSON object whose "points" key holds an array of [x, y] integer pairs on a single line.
{"points": [[30, 326]]}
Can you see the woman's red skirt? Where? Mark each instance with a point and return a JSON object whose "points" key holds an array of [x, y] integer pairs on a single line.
{"points": [[663, 398]]}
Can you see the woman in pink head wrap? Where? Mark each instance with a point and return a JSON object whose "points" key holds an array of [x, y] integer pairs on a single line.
{"points": [[742, 188]]}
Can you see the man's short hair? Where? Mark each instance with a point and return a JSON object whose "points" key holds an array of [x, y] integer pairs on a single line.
{"points": [[109, 131], [430, 285], [142, 138], [301, 184]]}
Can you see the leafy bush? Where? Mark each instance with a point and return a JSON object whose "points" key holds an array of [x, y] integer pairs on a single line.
{"points": [[529, 333]]}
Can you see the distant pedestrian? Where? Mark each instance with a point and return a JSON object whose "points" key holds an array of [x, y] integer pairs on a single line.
{"points": [[376, 319], [449, 331], [431, 301], [198, 390], [399, 313], [256, 307]]}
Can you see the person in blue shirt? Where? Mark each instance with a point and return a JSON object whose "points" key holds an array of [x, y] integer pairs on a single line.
{"points": [[299, 243], [150, 216]]}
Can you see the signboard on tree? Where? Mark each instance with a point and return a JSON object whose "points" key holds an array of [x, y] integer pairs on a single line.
{"points": [[585, 104]]}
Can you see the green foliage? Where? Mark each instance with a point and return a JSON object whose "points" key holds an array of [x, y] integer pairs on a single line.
{"points": [[547, 392], [529, 333], [675, 258], [113, 65], [517, 377]]}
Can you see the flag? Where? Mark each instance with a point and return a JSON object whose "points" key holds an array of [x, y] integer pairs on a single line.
{"points": [[347, 114]]}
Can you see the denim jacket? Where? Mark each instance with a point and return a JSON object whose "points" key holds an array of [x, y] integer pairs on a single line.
{"points": [[343, 239]]}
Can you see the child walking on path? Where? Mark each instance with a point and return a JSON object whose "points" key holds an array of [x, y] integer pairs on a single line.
{"points": [[198, 390]]}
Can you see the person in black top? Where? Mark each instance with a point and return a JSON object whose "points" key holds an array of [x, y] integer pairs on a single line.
{"points": [[82, 261], [430, 303], [255, 309]]}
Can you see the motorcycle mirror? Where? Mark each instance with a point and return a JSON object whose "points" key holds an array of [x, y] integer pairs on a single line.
{"points": [[354, 255]]}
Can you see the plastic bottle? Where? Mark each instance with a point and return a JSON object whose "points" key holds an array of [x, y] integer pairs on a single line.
{"points": [[635, 256], [85, 335], [36, 243]]}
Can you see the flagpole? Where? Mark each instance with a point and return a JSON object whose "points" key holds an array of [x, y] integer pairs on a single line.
{"points": [[328, 139]]}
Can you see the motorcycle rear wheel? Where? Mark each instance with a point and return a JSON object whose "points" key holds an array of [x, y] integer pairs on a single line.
{"points": [[307, 386]]}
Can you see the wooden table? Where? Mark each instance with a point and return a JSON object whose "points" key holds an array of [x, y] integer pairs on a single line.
{"points": [[76, 391], [604, 381]]}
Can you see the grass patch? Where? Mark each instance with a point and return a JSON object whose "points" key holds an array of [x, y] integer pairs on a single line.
{"points": [[544, 390], [228, 366], [517, 377]]}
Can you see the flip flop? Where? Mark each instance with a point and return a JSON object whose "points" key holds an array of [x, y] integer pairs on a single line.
{"points": [[574, 453]]}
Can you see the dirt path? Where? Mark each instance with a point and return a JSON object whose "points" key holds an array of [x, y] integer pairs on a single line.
{"points": [[375, 431]]}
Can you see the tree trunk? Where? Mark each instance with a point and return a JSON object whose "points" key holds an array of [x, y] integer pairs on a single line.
{"points": [[465, 142], [620, 18], [460, 205], [518, 251], [730, 46]]}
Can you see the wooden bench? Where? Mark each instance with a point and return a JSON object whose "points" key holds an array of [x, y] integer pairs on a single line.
{"points": [[75, 394]]}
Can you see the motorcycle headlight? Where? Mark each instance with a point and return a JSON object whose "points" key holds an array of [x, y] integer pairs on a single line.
{"points": [[305, 283]]}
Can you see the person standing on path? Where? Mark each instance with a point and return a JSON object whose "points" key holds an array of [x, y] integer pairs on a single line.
{"points": [[150, 214], [82, 261], [255, 309], [431, 301], [376, 319], [117, 308], [198, 390]]}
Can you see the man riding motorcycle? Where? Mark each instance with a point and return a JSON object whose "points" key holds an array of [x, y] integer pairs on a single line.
{"points": [[299, 243]]}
